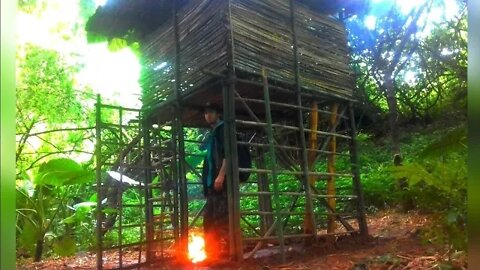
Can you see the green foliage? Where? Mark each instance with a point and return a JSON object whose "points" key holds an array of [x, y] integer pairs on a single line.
{"points": [[429, 78], [117, 44], [65, 246], [62, 172], [437, 184], [450, 142], [47, 103], [45, 87], [377, 182], [31, 6], [42, 203], [87, 8]]}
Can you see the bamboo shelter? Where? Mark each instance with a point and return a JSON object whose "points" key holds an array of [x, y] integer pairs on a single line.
{"points": [[280, 70]]}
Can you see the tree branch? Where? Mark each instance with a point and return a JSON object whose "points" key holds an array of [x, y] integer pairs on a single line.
{"points": [[60, 130]]}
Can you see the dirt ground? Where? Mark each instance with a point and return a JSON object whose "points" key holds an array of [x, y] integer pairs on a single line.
{"points": [[395, 245]]}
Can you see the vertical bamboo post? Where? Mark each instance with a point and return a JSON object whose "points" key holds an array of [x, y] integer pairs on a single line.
{"points": [[331, 169], [233, 182], [273, 162], [298, 88], [264, 201], [98, 176], [233, 185], [183, 186], [357, 186], [181, 143], [120, 194], [313, 144], [174, 173], [148, 194]]}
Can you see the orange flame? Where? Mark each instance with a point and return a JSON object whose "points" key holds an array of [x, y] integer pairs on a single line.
{"points": [[196, 248]]}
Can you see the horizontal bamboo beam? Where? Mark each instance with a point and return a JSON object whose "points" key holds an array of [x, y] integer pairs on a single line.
{"points": [[119, 108], [289, 148], [293, 173], [256, 193], [261, 101], [252, 239], [251, 123]]}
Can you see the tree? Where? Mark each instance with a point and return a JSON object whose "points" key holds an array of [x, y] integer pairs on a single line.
{"points": [[443, 59], [407, 71], [383, 53], [49, 110], [52, 123]]}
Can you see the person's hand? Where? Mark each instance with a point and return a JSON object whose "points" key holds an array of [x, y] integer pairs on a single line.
{"points": [[218, 185]]}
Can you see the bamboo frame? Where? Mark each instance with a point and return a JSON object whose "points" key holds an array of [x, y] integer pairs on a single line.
{"points": [[222, 27]]}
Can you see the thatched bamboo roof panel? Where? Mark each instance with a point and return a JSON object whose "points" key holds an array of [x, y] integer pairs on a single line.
{"points": [[117, 18], [323, 54], [262, 38], [265, 40], [202, 39], [158, 57], [202, 36]]}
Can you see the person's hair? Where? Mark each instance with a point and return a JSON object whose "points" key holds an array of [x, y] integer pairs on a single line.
{"points": [[212, 106]]}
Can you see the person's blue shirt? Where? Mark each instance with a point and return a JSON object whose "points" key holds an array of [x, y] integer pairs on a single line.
{"points": [[209, 145]]}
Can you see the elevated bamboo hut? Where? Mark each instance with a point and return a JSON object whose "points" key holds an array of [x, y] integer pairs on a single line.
{"points": [[280, 69]]}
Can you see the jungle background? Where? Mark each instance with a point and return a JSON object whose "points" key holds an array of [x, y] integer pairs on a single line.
{"points": [[411, 67]]}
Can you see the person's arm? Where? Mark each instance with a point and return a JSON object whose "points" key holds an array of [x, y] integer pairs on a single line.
{"points": [[218, 184]]}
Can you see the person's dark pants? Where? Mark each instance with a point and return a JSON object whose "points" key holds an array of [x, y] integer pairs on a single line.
{"points": [[215, 223]]}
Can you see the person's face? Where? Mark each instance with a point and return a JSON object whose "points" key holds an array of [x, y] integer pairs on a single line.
{"points": [[211, 116]]}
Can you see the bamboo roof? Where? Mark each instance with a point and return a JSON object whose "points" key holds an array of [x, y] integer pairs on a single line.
{"points": [[263, 41], [120, 18]]}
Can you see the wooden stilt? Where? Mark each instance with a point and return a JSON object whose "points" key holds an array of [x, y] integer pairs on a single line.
{"points": [[313, 143]]}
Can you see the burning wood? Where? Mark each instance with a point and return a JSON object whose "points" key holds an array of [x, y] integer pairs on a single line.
{"points": [[196, 248]]}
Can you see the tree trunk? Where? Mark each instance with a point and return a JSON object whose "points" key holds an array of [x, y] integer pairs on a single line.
{"points": [[406, 202], [38, 250], [393, 116]]}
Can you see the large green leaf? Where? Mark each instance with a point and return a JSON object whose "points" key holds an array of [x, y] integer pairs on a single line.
{"points": [[414, 172], [70, 220], [61, 172], [453, 140], [81, 212]]}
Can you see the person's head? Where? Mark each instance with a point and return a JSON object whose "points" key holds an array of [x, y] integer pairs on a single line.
{"points": [[212, 113]]}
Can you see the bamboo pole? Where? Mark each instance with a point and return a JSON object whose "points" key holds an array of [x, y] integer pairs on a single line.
{"points": [[313, 142], [331, 169], [120, 194], [148, 194], [174, 173], [233, 183], [268, 114], [264, 200], [357, 185], [183, 245], [98, 173]]}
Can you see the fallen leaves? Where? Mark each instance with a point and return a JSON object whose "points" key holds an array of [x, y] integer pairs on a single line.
{"points": [[396, 247]]}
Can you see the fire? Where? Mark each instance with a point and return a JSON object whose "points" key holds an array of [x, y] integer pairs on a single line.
{"points": [[196, 248]]}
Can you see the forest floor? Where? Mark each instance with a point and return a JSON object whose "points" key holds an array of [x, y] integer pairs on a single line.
{"points": [[396, 244]]}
